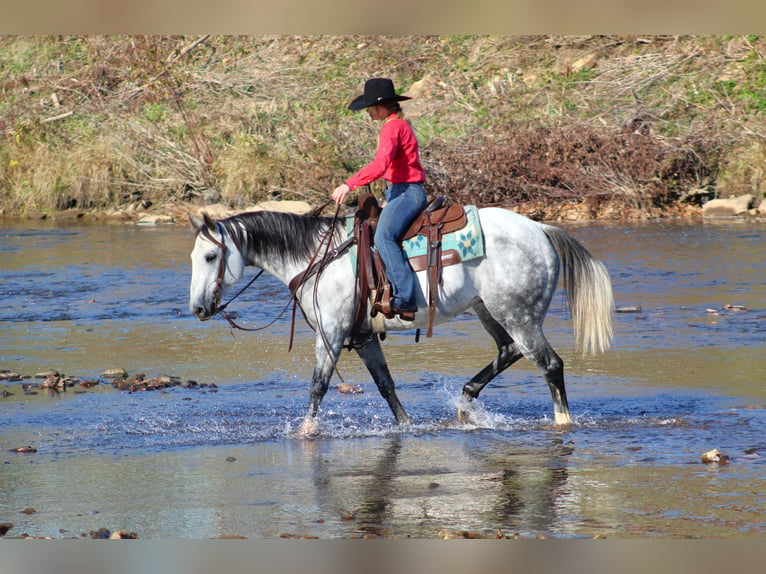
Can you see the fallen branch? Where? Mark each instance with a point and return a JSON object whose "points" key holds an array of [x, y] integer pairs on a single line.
{"points": [[56, 118]]}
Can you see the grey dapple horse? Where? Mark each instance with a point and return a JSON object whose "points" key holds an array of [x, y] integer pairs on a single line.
{"points": [[509, 289]]}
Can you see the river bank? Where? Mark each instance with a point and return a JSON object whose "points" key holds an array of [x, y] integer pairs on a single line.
{"points": [[561, 128], [744, 208]]}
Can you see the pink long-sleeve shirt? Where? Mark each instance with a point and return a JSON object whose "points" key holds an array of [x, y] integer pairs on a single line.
{"points": [[397, 159]]}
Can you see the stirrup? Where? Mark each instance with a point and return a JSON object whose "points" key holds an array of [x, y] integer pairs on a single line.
{"points": [[404, 315]]}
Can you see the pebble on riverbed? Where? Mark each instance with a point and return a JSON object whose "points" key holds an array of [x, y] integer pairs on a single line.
{"points": [[106, 534], [23, 449], [54, 382], [115, 374], [141, 383], [715, 456]]}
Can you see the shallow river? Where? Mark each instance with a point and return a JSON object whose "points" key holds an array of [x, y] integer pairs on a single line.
{"points": [[209, 462]]}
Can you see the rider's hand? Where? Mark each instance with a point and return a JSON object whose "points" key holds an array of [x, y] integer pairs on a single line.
{"points": [[339, 193]]}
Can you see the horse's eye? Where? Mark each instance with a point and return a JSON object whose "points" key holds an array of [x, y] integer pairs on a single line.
{"points": [[210, 257]]}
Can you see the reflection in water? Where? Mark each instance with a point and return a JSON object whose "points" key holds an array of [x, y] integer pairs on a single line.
{"points": [[396, 486], [375, 514], [531, 487]]}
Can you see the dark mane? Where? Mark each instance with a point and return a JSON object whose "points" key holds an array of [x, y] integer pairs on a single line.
{"points": [[271, 234]]}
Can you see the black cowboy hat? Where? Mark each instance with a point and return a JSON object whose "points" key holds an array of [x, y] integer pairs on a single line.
{"points": [[376, 91]]}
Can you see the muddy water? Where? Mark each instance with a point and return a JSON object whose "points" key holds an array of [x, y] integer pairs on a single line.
{"points": [[202, 463]]}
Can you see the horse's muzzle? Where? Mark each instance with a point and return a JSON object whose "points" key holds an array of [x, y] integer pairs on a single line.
{"points": [[202, 313]]}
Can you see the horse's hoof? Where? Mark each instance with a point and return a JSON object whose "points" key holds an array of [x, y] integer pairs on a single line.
{"points": [[308, 429], [464, 417], [562, 419]]}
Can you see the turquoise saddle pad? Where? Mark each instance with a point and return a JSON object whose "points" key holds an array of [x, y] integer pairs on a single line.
{"points": [[468, 242]]}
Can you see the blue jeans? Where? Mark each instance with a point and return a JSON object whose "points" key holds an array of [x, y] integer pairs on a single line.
{"points": [[405, 202]]}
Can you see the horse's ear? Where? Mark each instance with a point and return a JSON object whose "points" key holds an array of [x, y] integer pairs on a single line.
{"points": [[196, 222], [209, 223]]}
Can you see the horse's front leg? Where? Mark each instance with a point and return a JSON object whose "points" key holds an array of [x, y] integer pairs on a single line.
{"points": [[372, 355], [327, 352], [320, 382]]}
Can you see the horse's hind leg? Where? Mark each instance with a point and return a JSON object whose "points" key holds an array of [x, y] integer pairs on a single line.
{"points": [[535, 347], [372, 355], [507, 354]]}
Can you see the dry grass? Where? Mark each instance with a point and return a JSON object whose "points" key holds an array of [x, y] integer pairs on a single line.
{"points": [[502, 120]]}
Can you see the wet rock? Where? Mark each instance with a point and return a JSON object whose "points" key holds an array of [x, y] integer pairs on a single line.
{"points": [[53, 382], [7, 394], [458, 535], [10, 376], [154, 219], [69, 382], [230, 459], [5, 527], [87, 383], [23, 449], [115, 374], [730, 307], [123, 535], [101, 534], [28, 511], [715, 456], [48, 374], [122, 384], [728, 207], [631, 309], [347, 389]]}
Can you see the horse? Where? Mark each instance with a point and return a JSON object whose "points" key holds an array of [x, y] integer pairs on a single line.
{"points": [[509, 289]]}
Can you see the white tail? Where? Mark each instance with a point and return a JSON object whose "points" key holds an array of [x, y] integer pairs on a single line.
{"points": [[588, 290]]}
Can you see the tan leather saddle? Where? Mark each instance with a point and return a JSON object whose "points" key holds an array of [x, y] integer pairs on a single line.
{"points": [[437, 219]]}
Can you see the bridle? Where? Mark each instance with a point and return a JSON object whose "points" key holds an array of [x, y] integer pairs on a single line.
{"points": [[316, 265], [218, 293]]}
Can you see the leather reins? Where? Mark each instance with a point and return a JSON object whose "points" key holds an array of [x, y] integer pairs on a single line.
{"points": [[218, 293], [315, 267]]}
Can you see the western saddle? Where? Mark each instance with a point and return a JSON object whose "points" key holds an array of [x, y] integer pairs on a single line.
{"points": [[437, 219]]}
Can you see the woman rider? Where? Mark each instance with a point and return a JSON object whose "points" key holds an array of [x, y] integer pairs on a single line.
{"points": [[398, 162]]}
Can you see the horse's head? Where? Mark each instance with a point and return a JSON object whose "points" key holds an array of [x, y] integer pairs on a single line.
{"points": [[216, 265]]}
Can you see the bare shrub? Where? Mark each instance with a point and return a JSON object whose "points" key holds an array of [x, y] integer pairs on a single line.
{"points": [[566, 163]]}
